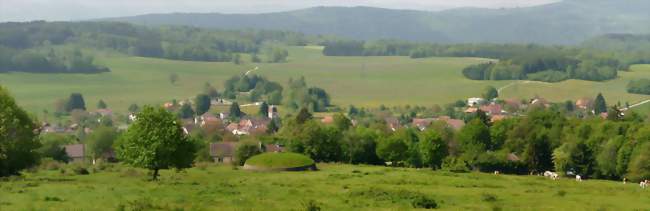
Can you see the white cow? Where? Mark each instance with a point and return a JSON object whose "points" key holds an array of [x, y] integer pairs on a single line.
{"points": [[578, 178], [644, 184], [551, 175]]}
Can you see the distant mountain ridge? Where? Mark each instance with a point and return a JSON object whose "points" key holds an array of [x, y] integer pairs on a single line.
{"points": [[566, 22]]}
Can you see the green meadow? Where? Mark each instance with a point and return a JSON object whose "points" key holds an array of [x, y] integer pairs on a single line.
{"points": [[362, 81], [333, 187]]}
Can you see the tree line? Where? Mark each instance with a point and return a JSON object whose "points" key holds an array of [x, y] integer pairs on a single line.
{"points": [[516, 61], [32, 46], [542, 139]]}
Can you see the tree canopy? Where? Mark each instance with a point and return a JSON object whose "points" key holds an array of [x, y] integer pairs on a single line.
{"points": [[18, 137], [156, 141]]}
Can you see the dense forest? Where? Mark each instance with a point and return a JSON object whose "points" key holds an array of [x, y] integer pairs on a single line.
{"points": [[35, 46]]}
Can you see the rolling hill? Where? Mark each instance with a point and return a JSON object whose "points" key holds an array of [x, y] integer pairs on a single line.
{"points": [[566, 22], [360, 81]]}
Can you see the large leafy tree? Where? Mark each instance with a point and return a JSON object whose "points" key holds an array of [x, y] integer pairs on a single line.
{"points": [[53, 146], [100, 141], [186, 111], [202, 104], [639, 167], [433, 149], [359, 146], [392, 149], [600, 106], [264, 110], [18, 139], [156, 141], [235, 111], [75, 101], [101, 104], [490, 93]]}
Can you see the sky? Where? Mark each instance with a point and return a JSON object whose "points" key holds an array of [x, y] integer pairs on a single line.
{"points": [[65, 10]]}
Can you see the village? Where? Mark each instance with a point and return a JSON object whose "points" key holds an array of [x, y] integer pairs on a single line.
{"points": [[253, 126]]}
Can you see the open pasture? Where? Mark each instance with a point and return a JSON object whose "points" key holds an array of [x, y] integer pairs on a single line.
{"points": [[362, 81], [333, 187]]}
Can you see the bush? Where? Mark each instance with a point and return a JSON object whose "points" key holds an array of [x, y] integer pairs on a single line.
{"points": [[311, 205], [641, 86], [424, 203], [202, 165], [53, 198], [455, 165], [246, 150], [486, 197], [50, 164], [548, 76], [80, 170]]}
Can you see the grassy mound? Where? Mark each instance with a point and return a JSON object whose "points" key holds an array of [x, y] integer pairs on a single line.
{"points": [[279, 161]]}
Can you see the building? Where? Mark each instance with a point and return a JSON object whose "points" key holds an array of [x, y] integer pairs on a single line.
{"points": [[584, 103], [76, 152], [104, 112], [273, 112], [392, 123], [422, 124], [273, 148], [493, 109], [223, 152], [455, 124], [475, 101], [329, 119]]}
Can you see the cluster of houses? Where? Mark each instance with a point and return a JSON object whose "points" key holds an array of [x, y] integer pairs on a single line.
{"points": [[224, 151]]}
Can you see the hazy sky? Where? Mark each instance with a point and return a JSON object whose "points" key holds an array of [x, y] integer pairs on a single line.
{"points": [[21, 10]]}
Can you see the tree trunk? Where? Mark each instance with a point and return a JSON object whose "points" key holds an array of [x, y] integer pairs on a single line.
{"points": [[155, 174]]}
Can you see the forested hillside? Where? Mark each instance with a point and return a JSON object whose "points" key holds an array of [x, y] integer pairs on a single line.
{"points": [[565, 22], [56, 46]]}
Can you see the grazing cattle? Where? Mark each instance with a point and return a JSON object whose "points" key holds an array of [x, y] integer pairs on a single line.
{"points": [[497, 172], [624, 181], [551, 175], [578, 178], [643, 184]]}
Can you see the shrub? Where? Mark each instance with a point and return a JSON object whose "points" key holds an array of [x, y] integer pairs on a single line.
{"points": [[641, 86], [486, 197], [202, 165], [548, 76], [455, 165], [424, 202], [53, 198], [246, 150], [50, 164], [142, 204], [311, 205], [80, 170]]}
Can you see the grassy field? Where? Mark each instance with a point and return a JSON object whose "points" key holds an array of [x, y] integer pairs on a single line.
{"points": [[334, 187], [363, 81], [279, 160]]}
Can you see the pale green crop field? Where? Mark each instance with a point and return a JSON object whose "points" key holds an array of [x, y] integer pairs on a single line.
{"points": [[362, 81], [333, 187]]}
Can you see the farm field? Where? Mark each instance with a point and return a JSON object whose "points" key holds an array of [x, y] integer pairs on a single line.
{"points": [[362, 81], [333, 187]]}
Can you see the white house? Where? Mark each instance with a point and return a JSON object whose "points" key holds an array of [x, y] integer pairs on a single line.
{"points": [[474, 101]]}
